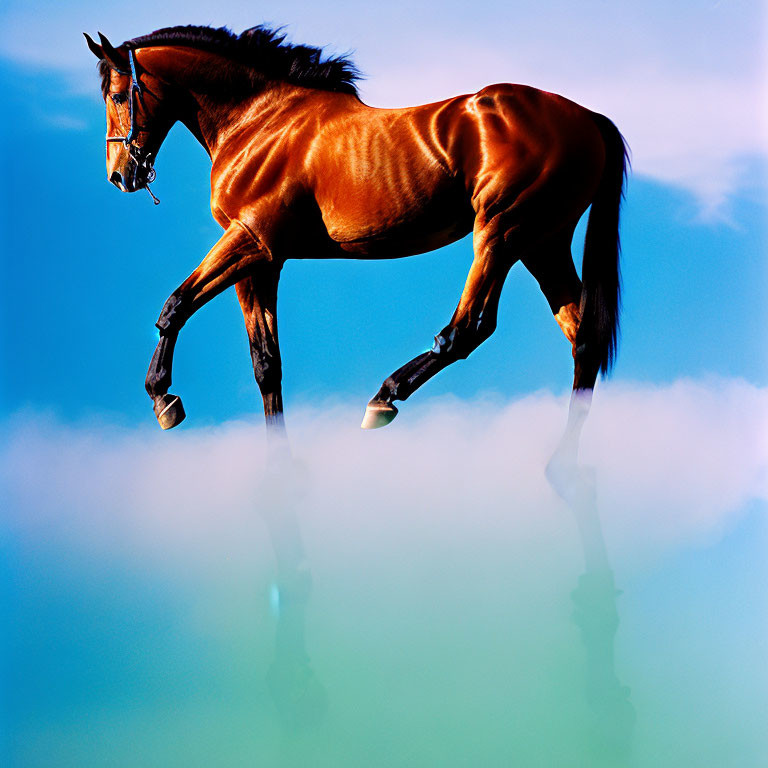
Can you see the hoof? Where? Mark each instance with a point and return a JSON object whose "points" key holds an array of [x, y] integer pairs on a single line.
{"points": [[378, 415], [169, 411]]}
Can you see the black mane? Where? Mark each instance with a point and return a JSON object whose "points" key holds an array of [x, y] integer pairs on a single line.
{"points": [[259, 49]]}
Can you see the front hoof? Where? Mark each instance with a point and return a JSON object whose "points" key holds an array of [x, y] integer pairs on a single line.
{"points": [[169, 411], [378, 415]]}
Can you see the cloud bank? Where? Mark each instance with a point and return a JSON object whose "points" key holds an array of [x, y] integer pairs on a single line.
{"points": [[675, 466]]}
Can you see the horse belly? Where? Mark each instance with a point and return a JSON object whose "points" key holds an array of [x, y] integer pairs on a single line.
{"points": [[385, 231]]}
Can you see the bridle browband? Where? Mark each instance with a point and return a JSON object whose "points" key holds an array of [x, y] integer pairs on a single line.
{"points": [[136, 152]]}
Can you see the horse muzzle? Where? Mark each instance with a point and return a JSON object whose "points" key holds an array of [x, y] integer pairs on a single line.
{"points": [[135, 174], [119, 181]]}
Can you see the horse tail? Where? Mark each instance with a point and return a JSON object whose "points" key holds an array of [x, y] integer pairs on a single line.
{"points": [[598, 332]]}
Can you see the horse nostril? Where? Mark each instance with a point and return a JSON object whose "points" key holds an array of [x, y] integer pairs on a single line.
{"points": [[119, 181]]}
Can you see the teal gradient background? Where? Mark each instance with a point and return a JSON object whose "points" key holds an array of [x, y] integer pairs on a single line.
{"points": [[438, 612]]}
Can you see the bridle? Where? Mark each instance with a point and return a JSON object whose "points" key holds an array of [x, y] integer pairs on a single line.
{"points": [[142, 159]]}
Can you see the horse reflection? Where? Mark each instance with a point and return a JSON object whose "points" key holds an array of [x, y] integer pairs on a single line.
{"points": [[595, 611], [299, 697]]}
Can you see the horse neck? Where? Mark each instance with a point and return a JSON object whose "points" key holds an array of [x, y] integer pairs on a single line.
{"points": [[218, 121], [198, 73]]}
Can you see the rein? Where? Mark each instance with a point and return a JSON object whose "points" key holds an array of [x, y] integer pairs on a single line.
{"points": [[136, 152]]}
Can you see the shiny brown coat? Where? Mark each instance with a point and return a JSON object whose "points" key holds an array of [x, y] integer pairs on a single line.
{"points": [[302, 172]]}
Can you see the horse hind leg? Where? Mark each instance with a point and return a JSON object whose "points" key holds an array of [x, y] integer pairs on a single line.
{"points": [[473, 321], [257, 295], [556, 274], [553, 268]]}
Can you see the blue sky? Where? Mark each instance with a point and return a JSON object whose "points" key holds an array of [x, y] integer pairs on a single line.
{"points": [[87, 268]]}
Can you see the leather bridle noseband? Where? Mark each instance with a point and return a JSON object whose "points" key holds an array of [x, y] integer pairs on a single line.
{"points": [[136, 152]]}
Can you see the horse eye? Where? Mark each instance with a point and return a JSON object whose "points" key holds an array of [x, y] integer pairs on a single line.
{"points": [[118, 98]]}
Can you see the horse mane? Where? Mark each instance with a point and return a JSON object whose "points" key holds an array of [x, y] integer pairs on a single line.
{"points": [[261, 51]]}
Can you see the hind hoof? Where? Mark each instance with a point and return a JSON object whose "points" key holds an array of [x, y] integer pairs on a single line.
{"points": [[378, 415], [169, 411]]}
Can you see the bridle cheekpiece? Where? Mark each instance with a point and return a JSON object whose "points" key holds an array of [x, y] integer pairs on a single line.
{"points": [[142, 159]]}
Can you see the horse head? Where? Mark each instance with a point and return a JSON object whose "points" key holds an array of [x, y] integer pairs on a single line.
{"points": [[137, 122]]}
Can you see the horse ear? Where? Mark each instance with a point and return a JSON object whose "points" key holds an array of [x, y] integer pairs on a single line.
{"points": [[117, 59], [94, 46]]}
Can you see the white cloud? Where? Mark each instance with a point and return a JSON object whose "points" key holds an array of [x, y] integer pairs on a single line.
{"points": [[676, 465]]}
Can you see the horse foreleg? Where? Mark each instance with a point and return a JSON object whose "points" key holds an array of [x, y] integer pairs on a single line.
{"points": [[473, 321], [225, 263]]}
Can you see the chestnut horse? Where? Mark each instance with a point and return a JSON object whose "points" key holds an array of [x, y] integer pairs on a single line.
{"points": [[303, 169]]}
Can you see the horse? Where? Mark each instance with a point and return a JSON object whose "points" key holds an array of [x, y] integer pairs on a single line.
{"points": [[302, 168]]}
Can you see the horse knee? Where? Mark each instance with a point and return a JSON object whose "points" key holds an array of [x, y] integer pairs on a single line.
{"points": [[173, 315]]}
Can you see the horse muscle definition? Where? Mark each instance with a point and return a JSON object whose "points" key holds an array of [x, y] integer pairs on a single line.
{"points": [[302, 168]]}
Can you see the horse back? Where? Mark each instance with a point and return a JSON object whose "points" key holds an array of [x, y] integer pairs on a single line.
{"points": [[434, 167], [394, 182]]}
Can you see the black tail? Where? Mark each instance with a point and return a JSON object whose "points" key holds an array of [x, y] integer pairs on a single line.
{"points": [[598, 331]]}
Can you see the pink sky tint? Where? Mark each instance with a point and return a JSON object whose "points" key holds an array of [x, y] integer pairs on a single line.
{"points": [[686, 83]]}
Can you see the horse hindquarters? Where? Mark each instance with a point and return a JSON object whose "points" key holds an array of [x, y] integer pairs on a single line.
{"points": [[594, 325]]}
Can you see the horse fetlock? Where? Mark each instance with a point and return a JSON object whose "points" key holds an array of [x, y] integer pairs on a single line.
{"points": [[394, 389], [158, 382]]}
